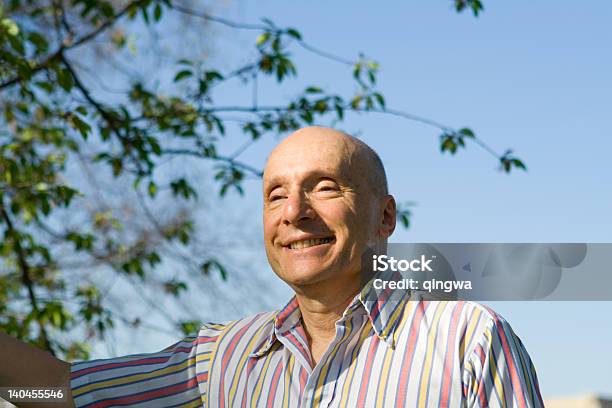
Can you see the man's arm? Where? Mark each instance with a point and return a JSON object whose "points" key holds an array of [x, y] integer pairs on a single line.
{"points": [[22, 365], [170, 377]]}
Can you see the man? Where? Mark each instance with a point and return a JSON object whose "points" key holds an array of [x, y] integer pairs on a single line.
{"points": [[338, 342]]}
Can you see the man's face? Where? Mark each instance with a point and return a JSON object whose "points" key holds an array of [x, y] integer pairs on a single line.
{"points": [[319, 214]]}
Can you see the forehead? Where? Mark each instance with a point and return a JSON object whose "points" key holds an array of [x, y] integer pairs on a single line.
{"points": [[331, 157]]}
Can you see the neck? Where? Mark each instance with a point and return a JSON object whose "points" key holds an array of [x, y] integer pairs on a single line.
{"points": [[320, 310]]}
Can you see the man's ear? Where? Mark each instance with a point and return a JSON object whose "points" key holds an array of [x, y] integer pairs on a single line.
{"points": [[389, 216]]}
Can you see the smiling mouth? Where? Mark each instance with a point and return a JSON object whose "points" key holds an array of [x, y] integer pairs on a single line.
{"points": [[307, 243]]}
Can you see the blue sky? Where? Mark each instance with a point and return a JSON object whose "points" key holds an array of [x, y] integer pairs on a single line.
{"points": [[532, 76]]}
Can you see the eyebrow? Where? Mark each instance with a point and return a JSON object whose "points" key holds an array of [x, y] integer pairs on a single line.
{"points": [[277, 181], [272, 183]]}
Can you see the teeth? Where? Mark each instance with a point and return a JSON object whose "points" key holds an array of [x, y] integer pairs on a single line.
{"points": [[309, 242]]}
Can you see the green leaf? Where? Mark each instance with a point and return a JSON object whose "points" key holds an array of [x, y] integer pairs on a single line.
{"points": [[321, 106], [181, 187], [190, 326], [80, 125], [117, 166], [39, 41], [339, 111], [313, 90], [519, 164], [212, 76], [405, 220], [371, 77], [157, 12], [404, 214], [294, 33], [42, 187], [212, 264], [475, 5], [448, 143], [379, 98], [152, 189], [175, 287], [145, 14], [9, 26], [154, 144], [45, 86], [182, 75], [153, 258], [467, 132], [64, 79], [373, 65], [357, 70], [262, 39]]}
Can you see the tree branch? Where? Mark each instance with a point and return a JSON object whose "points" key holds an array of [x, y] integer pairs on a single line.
{"points": [[110, 120], [220, 20], [73, 44], [25, 277], [77, 82], [348, 107], [260, 27], [230, 160]]}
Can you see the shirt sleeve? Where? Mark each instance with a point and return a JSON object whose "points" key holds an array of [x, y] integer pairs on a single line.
{"points": [[172, 377], [499, 372]]}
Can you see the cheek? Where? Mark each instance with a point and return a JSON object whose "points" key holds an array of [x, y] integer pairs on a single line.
{"points": [[340, 218], [270, 223], [360, 229]]}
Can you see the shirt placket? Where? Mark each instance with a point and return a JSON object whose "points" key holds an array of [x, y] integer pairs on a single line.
{"points": [[329, 365]]}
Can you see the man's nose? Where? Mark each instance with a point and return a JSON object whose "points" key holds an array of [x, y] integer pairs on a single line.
{"points": [[297, 208]]}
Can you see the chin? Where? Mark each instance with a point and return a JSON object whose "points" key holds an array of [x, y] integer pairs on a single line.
{"points": [[305, 276]]}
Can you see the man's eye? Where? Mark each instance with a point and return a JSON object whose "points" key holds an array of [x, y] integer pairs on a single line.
{"points": [[327, 187], [275, 197]]}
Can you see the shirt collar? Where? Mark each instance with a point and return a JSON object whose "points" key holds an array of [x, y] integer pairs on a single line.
{"points": [[383, 307]]}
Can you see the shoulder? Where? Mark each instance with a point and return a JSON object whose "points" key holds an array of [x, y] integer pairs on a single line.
{"points": [[462, 324], [256, 320], [479, 319], [477, 329], [486, 321], [211, 333], [478, 313], [224, 348], [461, 312], [498, 367]]}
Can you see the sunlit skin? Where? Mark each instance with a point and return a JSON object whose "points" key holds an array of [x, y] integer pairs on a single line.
{"points": [[317, 184]]}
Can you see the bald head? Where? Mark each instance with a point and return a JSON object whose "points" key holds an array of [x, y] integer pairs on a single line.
{"points": [[360, 159]]}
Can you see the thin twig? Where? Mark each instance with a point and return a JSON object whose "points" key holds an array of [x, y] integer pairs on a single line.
{"points": [[241, 149], [325, 54], [260, 27], [230, 160], [220, 20]]}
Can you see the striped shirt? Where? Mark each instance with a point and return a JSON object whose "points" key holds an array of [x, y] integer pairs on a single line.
{"points": [[391, 349]]}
